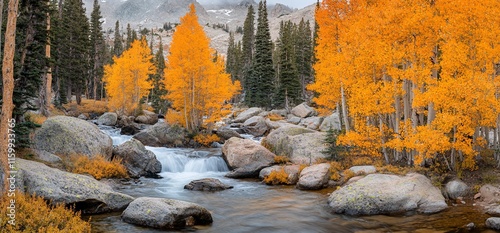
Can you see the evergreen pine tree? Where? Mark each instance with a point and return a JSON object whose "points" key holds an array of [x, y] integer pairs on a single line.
{"points": [[260, 83], [304, 52], [129, 39], [289, 87], [158, 92], [97, 51], [248, 44], [118, 43], [233, 60]]}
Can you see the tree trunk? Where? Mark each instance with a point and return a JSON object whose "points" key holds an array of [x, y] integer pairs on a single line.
{"points": [[46, 90], [8, 89], [1, 23], [344, 110]]}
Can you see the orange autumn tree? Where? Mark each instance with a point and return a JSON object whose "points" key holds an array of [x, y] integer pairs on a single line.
{"points": [[197, 83], [414, 79], [127, 78]]}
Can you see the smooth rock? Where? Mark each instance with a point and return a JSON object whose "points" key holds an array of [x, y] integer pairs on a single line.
{"points": [[207, 184], [360, 170], [226, 133], [255, 126], [239, 152], [147, 117], [303, 111], [387, 194], [137, 159], [493, 223], [455, 188], [331, 122], [46, 156], [292, 119], [109, 119], [311, 122], [85, 192], [301, 145], [162, 134], [164, 213], [245, 115], [64, 136], [291, 170], [314, 177]]}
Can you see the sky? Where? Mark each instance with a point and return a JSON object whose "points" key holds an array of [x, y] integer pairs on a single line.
{"points": [[293, 3]]}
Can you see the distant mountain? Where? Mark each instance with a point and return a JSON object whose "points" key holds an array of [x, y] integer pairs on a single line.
{"points": [[154, 13]]}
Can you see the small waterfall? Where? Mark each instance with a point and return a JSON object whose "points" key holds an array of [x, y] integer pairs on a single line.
{"points": [[115, 135], [189, 160]]}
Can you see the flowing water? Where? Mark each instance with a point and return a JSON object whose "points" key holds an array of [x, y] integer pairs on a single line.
{"points": [[255, 207]]}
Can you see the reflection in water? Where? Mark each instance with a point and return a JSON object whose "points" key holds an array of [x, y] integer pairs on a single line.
{"points": [[254, 207]]}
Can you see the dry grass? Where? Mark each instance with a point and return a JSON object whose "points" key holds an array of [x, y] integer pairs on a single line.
{"points": [[357, 161], [97, 166], [206, 139], [32, 214], [348, 174], [281, 159], [335, 168], [275, 117], [391, 169], [35, 118], [277, 177], [98, 107]]}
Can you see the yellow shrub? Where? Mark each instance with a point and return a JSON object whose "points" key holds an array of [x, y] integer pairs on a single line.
{"points": [[174, 118], [348, 174], [32, 214], [275, 117], [206, 139], [335, 168], [277, 177], [35, 118], [97, 166], [393, 169], [281, 159], [88, 106], [356, 161]]}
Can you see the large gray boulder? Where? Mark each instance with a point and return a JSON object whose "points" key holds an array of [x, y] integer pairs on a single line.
{"points": [[301, 145], [147, 117], [455, 189], [246, 156], [493, 223], [66, 188], [303, 111], [109, 118], [363, 170], [245, 115], [207, 184], [314, 177], [292, 172], [256, 126], [331, 122], [311, 122], [137, 159], [46, 157], [64, 136], [388, 194], [162, 134], [226, 133], [165, 213]]}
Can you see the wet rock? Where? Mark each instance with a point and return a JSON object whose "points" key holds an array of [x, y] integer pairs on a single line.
{"points": [[85, 192], [109, 119], [455, 189], [64, 136], [387, 194], [314, 177], [256, 126], [164, 213], [162, 134], [137, 159], [301, 145], [129, 130], [493, 223], [359, 170], [303, 111], [207, 184], [245, 115], [147, 117]]}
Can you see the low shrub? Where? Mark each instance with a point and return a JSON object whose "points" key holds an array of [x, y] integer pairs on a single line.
{"points": [[277, 177], [206, 139], [357, 161], [97, 166], [348, 174], [335, 168], [35, 118], [33, 214], [281, 159], [393, 169], [275, 117], [98, 107]]}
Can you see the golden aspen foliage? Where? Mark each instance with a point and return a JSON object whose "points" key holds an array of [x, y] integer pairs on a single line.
{"points": [[197, 83], [127, 78], [415, 79]]}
